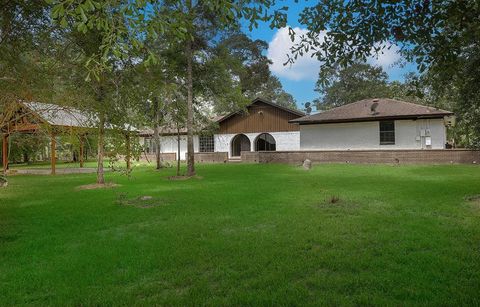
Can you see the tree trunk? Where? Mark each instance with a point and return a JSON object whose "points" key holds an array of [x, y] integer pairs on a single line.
{"points": [[101, 149], [178, 151], [80, 156], [156, 133], [190, 149], [5, 153], [128, 156], [53, 149]]}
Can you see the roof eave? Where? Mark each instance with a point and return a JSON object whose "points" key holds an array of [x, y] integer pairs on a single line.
{"points": [[369, 119]]}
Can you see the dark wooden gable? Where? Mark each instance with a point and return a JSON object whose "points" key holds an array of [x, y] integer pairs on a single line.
{"points": [[260, 117]]}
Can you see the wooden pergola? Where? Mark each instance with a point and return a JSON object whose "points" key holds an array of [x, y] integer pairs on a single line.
{"points": [[32, 117]]}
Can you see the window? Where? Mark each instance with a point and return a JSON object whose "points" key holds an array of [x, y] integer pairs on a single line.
{"points": [[265, 142], [207, 144], [387, 132]]}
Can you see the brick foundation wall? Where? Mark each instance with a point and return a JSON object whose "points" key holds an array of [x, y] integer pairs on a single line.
{"points": [[211, 157], [433, 156]]}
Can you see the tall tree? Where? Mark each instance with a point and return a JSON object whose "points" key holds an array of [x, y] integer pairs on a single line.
{"points": [[248, 62], [28, 51], [344, 85], [431, 33], [26, 40], [273, 91], [202, 21], [442, 37]]}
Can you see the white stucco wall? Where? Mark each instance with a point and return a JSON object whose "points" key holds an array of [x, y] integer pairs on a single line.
{"points": [[168, 144], [366, 135], [284, 141]]}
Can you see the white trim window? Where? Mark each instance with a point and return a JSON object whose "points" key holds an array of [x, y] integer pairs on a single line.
{"points": [[387, 132]]}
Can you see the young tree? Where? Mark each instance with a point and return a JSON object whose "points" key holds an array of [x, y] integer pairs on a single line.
{"points": [[99, 89], [100, 35], [162, 81], [177, 112], [156, 134]]}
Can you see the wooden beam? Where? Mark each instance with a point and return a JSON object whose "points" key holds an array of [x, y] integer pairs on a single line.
{"points": [[5, 153], [81, 151], [53, 150], [24, 127]]}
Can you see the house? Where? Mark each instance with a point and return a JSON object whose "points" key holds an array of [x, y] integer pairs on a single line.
{"points": [[375, 124], [263, 126]]}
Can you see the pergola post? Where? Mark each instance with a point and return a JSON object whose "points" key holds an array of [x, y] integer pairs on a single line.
{"points": [[5, 153], [81, 151], [127, 147], [53, 149]]}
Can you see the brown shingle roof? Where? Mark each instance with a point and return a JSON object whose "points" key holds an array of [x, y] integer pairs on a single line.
{"points": [[362, 111]]}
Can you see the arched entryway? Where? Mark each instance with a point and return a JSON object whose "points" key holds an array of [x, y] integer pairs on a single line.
{"points": [[240, 143], [265, 142]]}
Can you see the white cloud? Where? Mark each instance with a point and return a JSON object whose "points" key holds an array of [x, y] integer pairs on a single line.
{"points": [[387, 58], [304, 68], [307, 67]]}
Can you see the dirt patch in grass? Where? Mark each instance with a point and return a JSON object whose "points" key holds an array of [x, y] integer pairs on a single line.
{"points": [[180, 178], [474, 200], [96, 186], [144, 201], [336, 201]]}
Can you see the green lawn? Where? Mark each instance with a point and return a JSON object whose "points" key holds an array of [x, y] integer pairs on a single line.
{"points": [[245, 234], [60, 164]]}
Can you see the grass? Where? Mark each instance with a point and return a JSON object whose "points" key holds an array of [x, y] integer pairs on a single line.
{"points": [[46, 164], [245, 235]]}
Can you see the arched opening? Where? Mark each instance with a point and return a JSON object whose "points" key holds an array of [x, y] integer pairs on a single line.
{"points": [[240, 143], [265, 142]]}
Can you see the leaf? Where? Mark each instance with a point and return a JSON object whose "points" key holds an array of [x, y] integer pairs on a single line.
{"points": [[82, 14], [63, 22]]}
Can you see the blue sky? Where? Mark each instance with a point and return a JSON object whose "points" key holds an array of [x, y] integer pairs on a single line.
{"points": [[299, 79]]}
